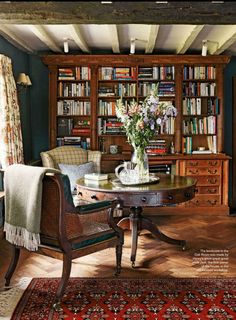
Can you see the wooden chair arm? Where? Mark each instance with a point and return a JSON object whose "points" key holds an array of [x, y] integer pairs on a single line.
{"points": [[96, 206]]}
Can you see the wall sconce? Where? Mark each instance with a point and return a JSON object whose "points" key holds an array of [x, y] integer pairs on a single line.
{"points": [[23, 80], [132, 44], [205, 46]]}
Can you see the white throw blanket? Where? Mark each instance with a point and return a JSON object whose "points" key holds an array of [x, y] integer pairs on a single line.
{"points": [[23, 203]]}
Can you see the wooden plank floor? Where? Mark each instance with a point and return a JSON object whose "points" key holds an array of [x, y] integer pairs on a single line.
{"points": [[211, 252]]}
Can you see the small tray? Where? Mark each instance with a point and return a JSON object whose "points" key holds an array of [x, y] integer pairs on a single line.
{"points": [[152, 180]]}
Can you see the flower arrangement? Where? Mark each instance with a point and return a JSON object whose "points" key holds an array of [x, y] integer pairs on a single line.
{"points": [[141, 121]]}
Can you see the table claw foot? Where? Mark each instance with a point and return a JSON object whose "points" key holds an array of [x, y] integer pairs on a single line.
{"points": [[133, 264]]}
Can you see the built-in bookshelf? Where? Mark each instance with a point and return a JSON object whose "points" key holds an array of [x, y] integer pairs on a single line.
{"points": [[201, 108], [84, 90], [73, 106], [131, 84]]}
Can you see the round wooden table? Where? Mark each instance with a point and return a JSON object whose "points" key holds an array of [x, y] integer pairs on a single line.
{"points": [[169, 190]]}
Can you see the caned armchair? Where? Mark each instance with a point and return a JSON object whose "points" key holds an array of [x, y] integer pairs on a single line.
{"points": [[63, 234]]}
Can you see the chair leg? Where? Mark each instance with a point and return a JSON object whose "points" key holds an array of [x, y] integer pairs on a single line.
{"points": [[13, 264], [64, 280], [118, 258]]}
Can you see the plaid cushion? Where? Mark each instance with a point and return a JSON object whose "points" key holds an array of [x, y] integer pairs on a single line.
{"points": [[70, 155]]}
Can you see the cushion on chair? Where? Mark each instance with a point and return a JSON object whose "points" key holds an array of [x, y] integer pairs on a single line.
{"points": [[75, 172]]}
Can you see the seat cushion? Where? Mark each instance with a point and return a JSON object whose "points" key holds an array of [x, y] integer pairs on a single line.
{"points": [[76, 172]]}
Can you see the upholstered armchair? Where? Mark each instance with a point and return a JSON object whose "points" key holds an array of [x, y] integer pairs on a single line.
{"points": [[73, 161], [65, 235], [70, 155]]}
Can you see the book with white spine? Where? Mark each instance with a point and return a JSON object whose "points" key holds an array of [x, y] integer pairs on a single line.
{"points": [[96, 176]]}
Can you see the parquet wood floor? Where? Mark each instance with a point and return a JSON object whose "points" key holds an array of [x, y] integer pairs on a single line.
{"points": [[211, 252]]}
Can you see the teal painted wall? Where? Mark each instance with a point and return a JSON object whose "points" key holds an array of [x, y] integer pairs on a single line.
{"points": [[230, 71], [33, 100], [39, 106]]}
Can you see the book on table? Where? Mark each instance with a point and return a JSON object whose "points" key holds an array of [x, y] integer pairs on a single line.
{"points": [[96, 176]]}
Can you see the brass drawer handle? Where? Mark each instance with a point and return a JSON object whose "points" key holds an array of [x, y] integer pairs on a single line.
{"points": [[212, 181], [193, 171], [212, 171], [194, 164], [212, 202], [212, 163], [211, 191]]}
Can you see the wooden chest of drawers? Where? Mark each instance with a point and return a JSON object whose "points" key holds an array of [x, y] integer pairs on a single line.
{"points": [[212, 182]]}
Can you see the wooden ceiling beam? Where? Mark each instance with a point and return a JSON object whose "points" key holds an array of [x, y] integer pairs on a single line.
{"points": [[184, 46], [114, 39], [15, 40], [126, 12], [44, 36], [228, 39], [152, 38], [77, 36]]}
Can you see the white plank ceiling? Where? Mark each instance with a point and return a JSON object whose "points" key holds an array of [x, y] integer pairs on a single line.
{"points": [[115, 38]]}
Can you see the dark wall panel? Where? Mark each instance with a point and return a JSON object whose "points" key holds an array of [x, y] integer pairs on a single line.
{"points": [[39, 106]]}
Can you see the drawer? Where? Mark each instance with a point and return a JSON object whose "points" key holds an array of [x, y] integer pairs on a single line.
{"points": [[203, 163], [191, 171], [204, 201], [208, 180], [208, 190]]}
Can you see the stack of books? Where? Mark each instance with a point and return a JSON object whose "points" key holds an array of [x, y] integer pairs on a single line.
{"points": [[66, 74], [156, 147]]}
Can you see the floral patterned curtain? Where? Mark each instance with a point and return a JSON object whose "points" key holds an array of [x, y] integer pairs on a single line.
{"points": [[11, 144]]}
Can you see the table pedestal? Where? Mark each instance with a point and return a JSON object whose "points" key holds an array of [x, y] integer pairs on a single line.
{"points": [[137, 223]]}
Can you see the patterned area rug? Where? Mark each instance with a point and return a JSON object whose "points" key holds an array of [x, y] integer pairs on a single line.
{"points": [[104, 299]]}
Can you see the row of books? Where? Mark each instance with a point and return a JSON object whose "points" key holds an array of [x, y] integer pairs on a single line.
{"points": [[187, 145], [166, 88], [77, 73], [167, 127], [116, 73], [156, 73], [84, 131], [73, 107], [199, 72], [74, 89], [197, 106], [199, 89], [145, 88], [205, 125], [82, 142], [125, 89], [110, 126], [106, 108], [120, 89], [68, 126]]}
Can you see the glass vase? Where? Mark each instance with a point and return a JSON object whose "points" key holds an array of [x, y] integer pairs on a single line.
{"points": [[140, 158]]}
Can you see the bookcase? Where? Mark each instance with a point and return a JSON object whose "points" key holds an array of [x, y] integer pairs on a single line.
{"points": [[83, 90]]}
